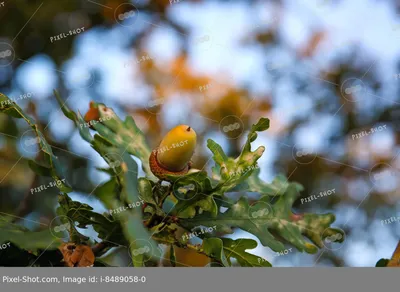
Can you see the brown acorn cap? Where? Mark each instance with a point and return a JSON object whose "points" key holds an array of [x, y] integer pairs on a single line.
{"points": [[160, 171]]}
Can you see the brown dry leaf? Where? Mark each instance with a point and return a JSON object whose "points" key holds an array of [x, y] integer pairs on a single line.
{"points": [[77, 255]]}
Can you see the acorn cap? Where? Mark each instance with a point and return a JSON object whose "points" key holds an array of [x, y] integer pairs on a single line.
{"points": [[161, 172]]}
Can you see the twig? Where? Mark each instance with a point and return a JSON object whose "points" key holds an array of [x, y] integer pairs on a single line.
{"points": [[98, 248], [164, 196]]}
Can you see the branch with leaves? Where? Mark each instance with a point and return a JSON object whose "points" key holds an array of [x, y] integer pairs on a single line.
{"points": [[146, 212]]}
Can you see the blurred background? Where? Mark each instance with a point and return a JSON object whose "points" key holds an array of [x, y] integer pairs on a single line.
{"points": [[325, 72]]}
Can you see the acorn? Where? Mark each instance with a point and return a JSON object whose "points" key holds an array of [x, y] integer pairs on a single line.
{"points": [[172, 156], [92, 114]]}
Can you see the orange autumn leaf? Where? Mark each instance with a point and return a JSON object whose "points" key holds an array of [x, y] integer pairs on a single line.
{"points": [[92, 113]]}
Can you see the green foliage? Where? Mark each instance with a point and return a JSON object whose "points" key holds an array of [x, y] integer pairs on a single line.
{"points": [[214, 248], [50, 165], [277, 217], [237, 249], [144, 213], [225, 249], [382, 263], [84, 216], [26, 239]]}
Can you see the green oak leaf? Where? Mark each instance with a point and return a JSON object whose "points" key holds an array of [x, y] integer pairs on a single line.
{"points": [[237, 249], [124, 134], [26, 239], [130, 219], [146, 190], [79, 121], [242, 173], [276, 188], [65, 109], [261, 218], [107, 192], [120, 134], [224, 249], [190, 191], [84, 215], [51, 162], [39, 169], [231, 172], [62, 211], [213, 247], [202, 203]]}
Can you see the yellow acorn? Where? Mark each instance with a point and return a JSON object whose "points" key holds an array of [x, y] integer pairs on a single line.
{"points": [[172, 156]]}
